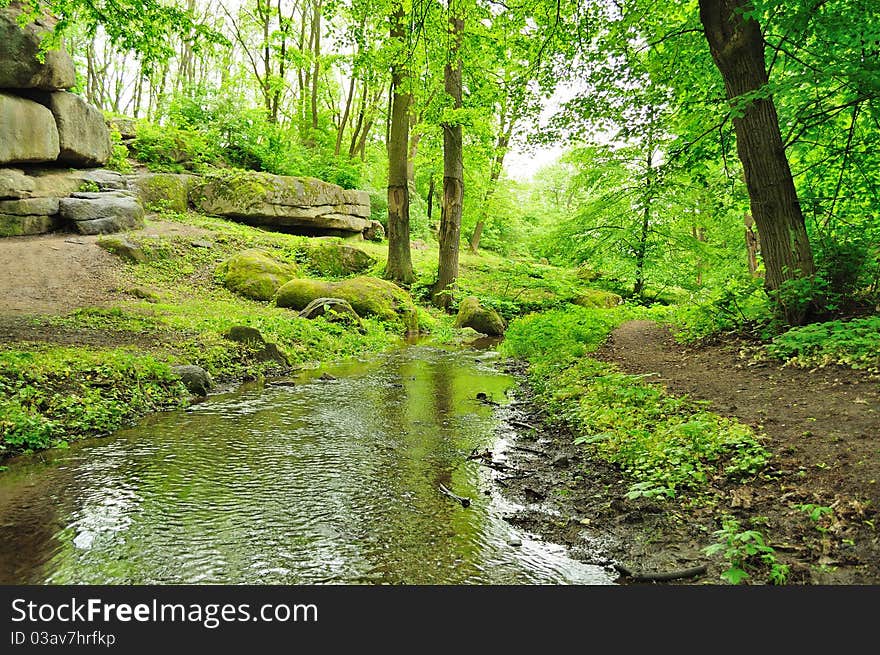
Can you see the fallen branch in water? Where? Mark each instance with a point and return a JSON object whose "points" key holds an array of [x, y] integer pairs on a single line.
{"points": [[661, 577], [465, 502], [520, 424], [529, 450]]}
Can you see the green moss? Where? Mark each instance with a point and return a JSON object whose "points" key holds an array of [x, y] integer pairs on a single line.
{"points": [[597, 298], [473, 315], [122, 248], [330, 259], [255, 274], [368, 296], [298, 293], [165, 191]]}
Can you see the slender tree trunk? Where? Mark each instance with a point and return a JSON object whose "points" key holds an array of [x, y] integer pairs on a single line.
{"points": [[737, 47], [642, 246], [431, 186], [502, 145], [399, 267], [343, 122], [453, 172], [316, 26]]}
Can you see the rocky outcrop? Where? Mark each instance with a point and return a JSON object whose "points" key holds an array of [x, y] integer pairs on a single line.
{"points": [[37, 201], [27, 131], [597, 298], [368, 296], [482, 319], [264, 351], [40, 122], [291, 204], [82, 134], [102, 213], [20, 64], [255, 274]]}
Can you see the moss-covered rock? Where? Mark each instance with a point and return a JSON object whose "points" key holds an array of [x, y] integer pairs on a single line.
{"points": [[123, 248], [368, 296], [168, 191], [597, 298], [484, 320], [333, 259], [298, 293], [253, 273]]}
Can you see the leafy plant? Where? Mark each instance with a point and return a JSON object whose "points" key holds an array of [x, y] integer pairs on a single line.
{"points": [[747, 553]]}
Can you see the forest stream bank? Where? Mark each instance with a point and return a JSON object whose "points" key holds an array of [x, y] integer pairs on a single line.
{"points": [[815, 504]]}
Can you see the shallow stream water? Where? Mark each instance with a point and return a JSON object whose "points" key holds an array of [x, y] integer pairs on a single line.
{"points": [[307, 482]]}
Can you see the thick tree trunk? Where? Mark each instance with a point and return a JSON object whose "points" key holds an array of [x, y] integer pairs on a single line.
{"points": [[737, 47], [453, 175], [399, 267]]}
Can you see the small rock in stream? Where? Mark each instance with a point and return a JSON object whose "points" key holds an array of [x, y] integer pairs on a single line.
{"points": [[514, 541]]}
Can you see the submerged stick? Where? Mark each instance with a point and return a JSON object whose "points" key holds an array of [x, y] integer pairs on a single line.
{"points": [[661, 577], [465, 502]]}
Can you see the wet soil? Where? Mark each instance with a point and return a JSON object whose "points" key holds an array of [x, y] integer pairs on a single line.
{"points": [[822, 426]]}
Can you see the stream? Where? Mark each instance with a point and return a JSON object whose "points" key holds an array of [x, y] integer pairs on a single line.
{"points": [[332, 477]]}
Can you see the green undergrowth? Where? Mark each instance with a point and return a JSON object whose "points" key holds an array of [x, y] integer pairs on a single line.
{"points": [[854, 343], [52, 395], [665, 444]]}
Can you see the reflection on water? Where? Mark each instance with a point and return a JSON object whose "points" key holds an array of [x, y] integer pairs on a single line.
{"points": [[326, 481]]}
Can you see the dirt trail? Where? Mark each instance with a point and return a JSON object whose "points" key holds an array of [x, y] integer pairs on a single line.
{"points": [[826, 420]]}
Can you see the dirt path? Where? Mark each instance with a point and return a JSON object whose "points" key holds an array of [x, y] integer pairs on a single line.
{"points": [[825, 420], [822, 426]]}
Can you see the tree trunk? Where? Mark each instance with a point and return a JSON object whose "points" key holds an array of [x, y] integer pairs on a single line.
{"points": [[737, 47], [399, 267], [642, 246], [453, 173], [501, 147], [430, 198]]}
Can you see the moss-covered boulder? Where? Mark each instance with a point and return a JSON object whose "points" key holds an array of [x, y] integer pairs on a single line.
{"points": [[597, 298], [254, 273], [368, 296], [168, 191], [485, 320], [298, 293], [333, 259]]}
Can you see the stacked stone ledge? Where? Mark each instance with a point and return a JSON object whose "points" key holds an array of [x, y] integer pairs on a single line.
{"points": [[44, 132]]}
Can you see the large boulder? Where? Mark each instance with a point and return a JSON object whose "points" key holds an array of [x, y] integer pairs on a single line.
{"points": [[329, 259], [255, 274], [169, 191], [20, 67], [482, 319], [300, 205], [27, 131], [196, 379], [102, 213], [368, 296], [30, 206], [84, 139]]}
